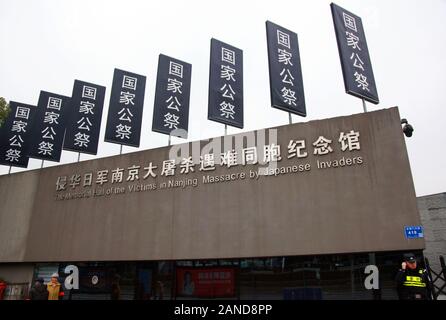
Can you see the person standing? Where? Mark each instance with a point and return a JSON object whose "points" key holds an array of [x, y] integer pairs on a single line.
{"points": [[115, 288], [413, 282], [188, 284], [159, 291], [38, 291], [55, 290], [2, 288]]}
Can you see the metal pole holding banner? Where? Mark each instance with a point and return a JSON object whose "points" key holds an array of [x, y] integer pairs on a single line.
{"points": [[290, 118], [364, 106], [41, 166], [10, 167], [226, 129], [78, 156], [169, 140], [120, 150]]}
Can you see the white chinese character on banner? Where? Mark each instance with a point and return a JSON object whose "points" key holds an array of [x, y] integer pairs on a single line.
{"points": [[88, 92], [19, 126], [171, 121], [285, 57], [352, 40], [81, 139], [13, 155], [129, 82], [46, 148], [102, 177], [174, 103], [228, 91], [227, 73], [227, 110], [126, 115], [295, 149], [357, 62], [117, 175], [228, 158], [61, 183], [287, 77], [16, 141], [51, 117], [133, 173], [168, 168], [349, 141], [22, 112], [150, 171], [289, 96], [86, 107], [174, 85], [127, 98], [271, 153], [176, 69], [362, 81], [283, 38], [249, 155], [207, 162], [322, 146], [84, 123], [123, 131], [187, 165], [48, 133], [54, 103], [227, 55], [349, 22]]}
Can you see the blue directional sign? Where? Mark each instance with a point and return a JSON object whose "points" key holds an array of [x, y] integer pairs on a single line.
{"points": [[414, 232]]}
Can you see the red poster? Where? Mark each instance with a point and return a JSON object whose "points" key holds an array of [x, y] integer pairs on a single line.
{"points": [[206, 282]]}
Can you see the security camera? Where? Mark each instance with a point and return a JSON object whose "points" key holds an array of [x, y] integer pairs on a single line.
{"points": [[407, 128]]}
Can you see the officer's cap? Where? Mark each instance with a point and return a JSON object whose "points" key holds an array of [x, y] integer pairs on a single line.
{"points": [[410, 257]]}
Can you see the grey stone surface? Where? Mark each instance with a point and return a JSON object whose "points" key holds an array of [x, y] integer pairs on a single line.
{"points": [[432, 210]]}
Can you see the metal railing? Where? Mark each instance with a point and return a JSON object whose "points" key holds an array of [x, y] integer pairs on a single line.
{"points": [[438, 278]]}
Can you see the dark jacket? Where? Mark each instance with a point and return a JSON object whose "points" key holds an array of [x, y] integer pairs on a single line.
{"points": [[115, 291], [115, 288], [413, 284], [38, 292]]}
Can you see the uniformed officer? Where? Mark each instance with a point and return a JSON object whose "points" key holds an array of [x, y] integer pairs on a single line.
{"points": [[413, 282]]}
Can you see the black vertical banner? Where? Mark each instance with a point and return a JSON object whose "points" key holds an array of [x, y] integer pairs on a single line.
{"points": [[15, 135], [171, 110], [84, 125], [354, 53], [226, 84], [285, 73], [125, 110], [49, 126]]}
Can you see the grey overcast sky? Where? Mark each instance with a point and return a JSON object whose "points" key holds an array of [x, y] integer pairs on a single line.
{"points": [[46, 44]]}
